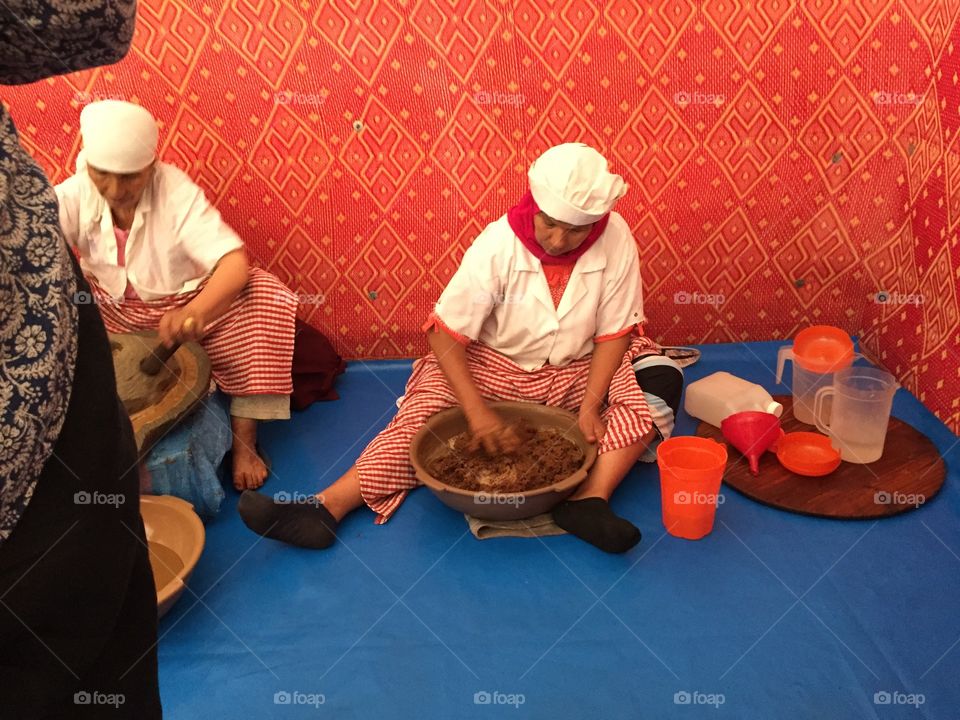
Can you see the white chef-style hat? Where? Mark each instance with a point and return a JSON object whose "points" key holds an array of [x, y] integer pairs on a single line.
{"points": [[118, 137], [571, 183]]}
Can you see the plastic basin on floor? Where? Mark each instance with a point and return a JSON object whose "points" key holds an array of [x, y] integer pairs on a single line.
{"points": [[175, 536], [432, 437]]}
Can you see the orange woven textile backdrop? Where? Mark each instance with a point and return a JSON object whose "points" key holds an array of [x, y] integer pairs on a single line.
{"points": [[787, 162]]}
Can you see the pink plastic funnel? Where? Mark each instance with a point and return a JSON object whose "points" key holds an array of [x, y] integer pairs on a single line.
{"points": [[752, 433]]}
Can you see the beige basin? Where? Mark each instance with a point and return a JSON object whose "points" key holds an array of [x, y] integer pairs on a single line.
{"points": [[175, 535]]}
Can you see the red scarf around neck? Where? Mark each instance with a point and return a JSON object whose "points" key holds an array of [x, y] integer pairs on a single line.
{"points": [[520, 217]]}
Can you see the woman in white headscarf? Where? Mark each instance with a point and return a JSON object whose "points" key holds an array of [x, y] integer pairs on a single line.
{"points": [[159, 256], [545, 307]]}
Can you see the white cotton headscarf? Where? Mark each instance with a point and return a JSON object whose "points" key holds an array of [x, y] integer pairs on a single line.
{"points": [[118, 137], [571, 183]]}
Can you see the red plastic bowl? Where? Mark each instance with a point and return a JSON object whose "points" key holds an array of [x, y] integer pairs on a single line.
{"points": [[807, 453]]}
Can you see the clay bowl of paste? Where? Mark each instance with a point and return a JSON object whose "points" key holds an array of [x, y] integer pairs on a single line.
{"points": [[175, 536], [432, 439]]}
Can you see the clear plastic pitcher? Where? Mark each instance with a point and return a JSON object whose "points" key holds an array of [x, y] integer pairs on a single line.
{"points": [[862, 398], [817, 353]]}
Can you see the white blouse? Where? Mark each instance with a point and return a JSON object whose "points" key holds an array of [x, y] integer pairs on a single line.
{"points": [[499, 296], [176, 239]]}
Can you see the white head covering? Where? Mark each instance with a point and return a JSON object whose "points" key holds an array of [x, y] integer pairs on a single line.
{"points": [[118, 136], [571, 183]]}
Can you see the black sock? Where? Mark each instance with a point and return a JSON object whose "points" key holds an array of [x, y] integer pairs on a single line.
{"points": [[306, 524], [592, 520]]}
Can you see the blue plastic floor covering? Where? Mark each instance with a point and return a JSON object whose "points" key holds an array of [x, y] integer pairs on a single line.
{"points": [[772, 615]]}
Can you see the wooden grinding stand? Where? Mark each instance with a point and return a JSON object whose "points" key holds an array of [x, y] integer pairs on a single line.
{"points": [[157, 402]]}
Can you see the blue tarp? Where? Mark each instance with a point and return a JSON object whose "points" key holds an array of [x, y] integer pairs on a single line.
{"points": [[773, 615]]}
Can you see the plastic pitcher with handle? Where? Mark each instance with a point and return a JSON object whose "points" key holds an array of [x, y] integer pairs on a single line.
{"points": [[858, 419], [817, 353]]}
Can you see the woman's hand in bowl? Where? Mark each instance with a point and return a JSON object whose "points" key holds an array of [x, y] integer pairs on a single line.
{"points": [[491, 432]]}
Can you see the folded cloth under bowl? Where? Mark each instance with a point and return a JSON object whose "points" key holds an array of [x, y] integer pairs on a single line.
{"points": [[537, 526]]}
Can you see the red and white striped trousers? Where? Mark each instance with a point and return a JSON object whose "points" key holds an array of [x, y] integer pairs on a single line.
{"points": [[386, 475], [250, 346]]}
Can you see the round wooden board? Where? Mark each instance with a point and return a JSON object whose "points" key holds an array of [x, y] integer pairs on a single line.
{"points": [[156, 403], [909, 473]]}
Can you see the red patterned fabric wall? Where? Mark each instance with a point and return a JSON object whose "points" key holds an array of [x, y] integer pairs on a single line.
{"points": [[916, 332], [786, 161]]}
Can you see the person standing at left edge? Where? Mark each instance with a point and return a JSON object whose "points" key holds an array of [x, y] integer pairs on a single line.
{"points": [[78, 606]]}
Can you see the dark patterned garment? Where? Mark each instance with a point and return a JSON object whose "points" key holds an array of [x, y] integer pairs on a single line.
{"points": [[38, 317]]}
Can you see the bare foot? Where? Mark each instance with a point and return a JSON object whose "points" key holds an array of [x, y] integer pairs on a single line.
{"points": [[249, 470]]}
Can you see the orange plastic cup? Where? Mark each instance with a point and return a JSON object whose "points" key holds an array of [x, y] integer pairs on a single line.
{"points": [[691, 469]]}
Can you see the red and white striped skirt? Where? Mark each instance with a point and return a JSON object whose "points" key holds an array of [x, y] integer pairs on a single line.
{"points": [[250, 346], [386, 475]]}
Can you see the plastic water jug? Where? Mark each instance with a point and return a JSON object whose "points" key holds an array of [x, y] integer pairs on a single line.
{"points": [[860, 414], [817, 353], [716, 396]]}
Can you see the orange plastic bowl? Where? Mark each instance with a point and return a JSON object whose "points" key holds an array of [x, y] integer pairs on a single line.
{"points": [[807, 453]]}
